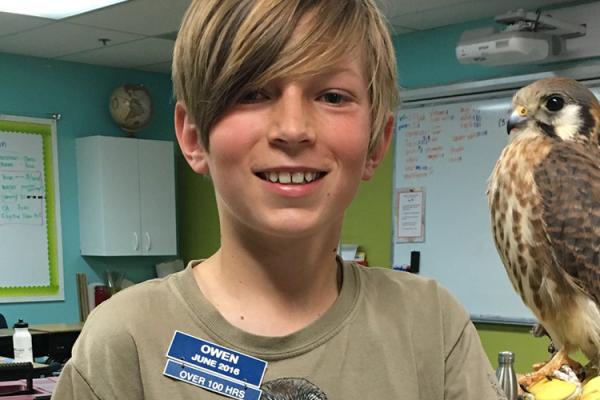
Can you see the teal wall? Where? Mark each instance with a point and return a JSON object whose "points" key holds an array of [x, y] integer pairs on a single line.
{"points": [[37, 87]]}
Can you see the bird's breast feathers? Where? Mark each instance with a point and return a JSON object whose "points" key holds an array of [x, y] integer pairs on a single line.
{"points": [[516, 212]]}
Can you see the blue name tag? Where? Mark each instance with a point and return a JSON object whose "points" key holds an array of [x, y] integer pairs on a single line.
{"points": [[210, 381], [221, 360]]}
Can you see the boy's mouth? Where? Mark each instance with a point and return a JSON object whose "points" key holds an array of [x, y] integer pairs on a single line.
{"points": [[293, 178]]}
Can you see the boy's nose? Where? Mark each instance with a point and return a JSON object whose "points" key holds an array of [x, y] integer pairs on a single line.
{"points": [[291, 124]]}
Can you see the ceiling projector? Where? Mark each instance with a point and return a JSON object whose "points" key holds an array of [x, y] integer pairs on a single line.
{"points": [[490, 47], [529, 37]]}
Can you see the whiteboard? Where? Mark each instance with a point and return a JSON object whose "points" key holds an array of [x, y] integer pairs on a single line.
{"points": [[30, 245], [448, 148]]}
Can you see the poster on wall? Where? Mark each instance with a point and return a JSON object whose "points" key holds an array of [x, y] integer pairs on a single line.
{"points": [[410, 215], [30, 234]]}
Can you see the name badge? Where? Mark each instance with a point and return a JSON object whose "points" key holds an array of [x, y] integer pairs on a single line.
{"points": [[214, 367], [210, 381]]}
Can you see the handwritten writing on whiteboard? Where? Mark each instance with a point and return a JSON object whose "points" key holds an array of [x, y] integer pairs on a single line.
{"points": [[434, 139]]}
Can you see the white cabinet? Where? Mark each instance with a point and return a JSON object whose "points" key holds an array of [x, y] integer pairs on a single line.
{"points": [[126, 196]]}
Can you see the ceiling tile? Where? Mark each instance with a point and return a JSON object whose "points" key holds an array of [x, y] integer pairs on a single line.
{"points": [[146, 17], [392, 8], [129, 24], [161, 67], [399, 30], [59, 39], [466, 11], [11, 23], [128, 55], [440, 16]]}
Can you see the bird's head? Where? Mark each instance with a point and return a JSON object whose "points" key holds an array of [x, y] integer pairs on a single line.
{"points": [[559, 108]]}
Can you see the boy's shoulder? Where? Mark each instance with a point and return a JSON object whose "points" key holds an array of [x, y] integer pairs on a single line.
{"points": [[135, 305], [379, 277], [133, 315], [387, 286]]}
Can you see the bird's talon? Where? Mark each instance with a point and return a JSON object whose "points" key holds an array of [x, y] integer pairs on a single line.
{"points": [[537, 366], [538, 330]]}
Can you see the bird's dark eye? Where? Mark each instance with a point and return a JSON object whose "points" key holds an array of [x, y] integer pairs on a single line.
{"points": [[555, 103]]}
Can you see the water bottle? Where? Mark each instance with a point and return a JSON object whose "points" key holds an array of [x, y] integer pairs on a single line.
{"points": [[22, 346], [506, 374]]}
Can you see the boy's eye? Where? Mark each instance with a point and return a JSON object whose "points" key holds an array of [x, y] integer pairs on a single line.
{"points": [[253, 96], [333, 98]]}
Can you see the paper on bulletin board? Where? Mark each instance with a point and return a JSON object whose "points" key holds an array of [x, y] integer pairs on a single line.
{"points": [[30, 232], [410, 215]]}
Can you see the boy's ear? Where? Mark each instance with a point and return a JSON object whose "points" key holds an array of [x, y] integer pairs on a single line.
{"points": [[189, 143], [378, 152]]}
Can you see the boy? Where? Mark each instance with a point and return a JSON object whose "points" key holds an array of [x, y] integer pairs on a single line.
{"points": [[287, 105]]}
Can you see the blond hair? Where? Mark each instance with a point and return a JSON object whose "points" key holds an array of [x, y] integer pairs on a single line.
{"points": [[227, 47]]}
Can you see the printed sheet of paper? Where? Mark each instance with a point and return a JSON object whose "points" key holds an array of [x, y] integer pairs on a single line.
{"points": [[410, 212]]}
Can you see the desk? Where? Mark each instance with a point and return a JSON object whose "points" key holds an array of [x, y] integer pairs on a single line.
{"points": [[42, 389], [36, 366], [52, 340]]}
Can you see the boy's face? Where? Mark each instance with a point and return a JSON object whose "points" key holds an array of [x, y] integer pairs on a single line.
{"points": [[287, 160]]}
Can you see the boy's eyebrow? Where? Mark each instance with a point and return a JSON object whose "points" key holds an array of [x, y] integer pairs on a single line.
{"points": [[339, 70], [336, 70]]}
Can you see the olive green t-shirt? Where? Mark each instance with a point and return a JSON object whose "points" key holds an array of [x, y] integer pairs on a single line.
{"points": [[389, 335]]}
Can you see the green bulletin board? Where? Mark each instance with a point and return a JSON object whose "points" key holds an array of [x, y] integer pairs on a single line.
{"points": [[30, 234]]}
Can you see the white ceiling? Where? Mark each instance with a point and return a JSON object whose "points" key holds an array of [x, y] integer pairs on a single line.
{"points": [[141, 32]]}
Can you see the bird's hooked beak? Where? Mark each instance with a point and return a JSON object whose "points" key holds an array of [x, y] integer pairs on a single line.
{"points": [[517, 119]]}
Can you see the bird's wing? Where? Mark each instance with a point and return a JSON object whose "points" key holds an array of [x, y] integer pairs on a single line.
{"points": [[569, 182]]}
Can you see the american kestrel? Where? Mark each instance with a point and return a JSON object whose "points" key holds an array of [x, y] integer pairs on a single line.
{"points": [[544, 198]]}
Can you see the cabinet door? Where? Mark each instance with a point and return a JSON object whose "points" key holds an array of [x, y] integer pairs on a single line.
{"points": [[157, 197], [120, 196]]}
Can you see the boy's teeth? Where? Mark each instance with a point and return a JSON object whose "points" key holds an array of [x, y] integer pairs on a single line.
{"points": [[287, 177], [298, 177]]}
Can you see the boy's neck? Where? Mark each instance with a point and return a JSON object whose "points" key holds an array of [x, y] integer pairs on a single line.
{"points": [[289, 283]]}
